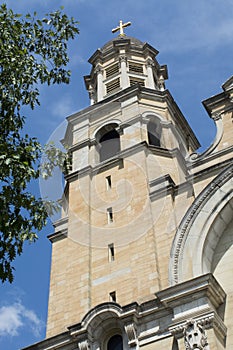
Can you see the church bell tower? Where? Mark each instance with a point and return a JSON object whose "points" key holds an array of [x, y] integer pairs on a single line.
{"points": [[115, 281], [128, 150]]}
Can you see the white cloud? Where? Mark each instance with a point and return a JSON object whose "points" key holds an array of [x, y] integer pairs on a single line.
{"points": [[10, 320], [195, 25], [63, 107], [15, 317]]}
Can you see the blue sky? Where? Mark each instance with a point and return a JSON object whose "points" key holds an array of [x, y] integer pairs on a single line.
{"points": [[195, 40]]}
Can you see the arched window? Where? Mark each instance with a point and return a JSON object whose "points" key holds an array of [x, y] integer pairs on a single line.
{"points": [[115, 342], [154, 133], [109, 142]]}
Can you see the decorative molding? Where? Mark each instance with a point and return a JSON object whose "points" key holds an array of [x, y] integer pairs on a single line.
{"points": [[84, 345], [98, 70], [147, 115], [123, 58], [150, 63], [217, 117], [214, 156], [190, 216], [131, 332], [195, 336], [113, 161], [120, 130], [91, 92], [162, 186], [57, 236], [209, 321], [161, 83]]}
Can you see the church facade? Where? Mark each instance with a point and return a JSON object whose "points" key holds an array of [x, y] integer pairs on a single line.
{"points": [[142, 257]]}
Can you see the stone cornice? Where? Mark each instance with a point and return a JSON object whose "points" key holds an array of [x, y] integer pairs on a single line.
{"points": [[161, 187], [213, 102], [57, 236], [59, 341], [119, 158], [205, 285], [209, 320], [60, 222], [209, 171], [109, 163], [140, 92], [61, 230], [210, 157], [195, 157], [190, 295]]}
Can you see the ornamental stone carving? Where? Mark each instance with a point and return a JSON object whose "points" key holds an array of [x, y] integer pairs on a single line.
{"points": [[98, 70], [92, 95], [123, 58], [216, 116], [150, 63], [195, 336], [188, 220], [131, 332], [84, 345], [161, 83]]}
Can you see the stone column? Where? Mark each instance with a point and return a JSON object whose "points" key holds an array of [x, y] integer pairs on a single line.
{"points": [[150, 77], [100, 87], [91, 95], [124, 75]]}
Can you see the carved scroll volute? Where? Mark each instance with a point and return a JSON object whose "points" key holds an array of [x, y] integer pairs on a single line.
{"points": [[84, 345], [131, 332], [195, 337]]}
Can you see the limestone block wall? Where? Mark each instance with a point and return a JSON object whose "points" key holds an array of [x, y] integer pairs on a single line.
{"points": [[120, 228], [69, 291], [83, 273]]}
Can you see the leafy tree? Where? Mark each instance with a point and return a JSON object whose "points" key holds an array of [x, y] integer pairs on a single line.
{"points": [[33, 52]]}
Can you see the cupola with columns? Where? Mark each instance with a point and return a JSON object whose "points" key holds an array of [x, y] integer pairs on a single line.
{"points": [[122, 62]]}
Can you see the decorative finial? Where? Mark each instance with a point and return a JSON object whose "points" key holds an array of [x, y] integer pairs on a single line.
{"points": [[121, 27]]}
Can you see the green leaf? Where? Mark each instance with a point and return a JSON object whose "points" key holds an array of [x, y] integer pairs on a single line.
{"points": [[31, 53]]}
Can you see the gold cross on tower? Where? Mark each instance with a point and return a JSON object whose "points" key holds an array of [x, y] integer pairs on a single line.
{"points": [[121, 28]]}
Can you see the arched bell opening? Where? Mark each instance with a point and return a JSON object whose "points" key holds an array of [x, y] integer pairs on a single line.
{"points": [[115, 342], [154, 133], [108, 142]]}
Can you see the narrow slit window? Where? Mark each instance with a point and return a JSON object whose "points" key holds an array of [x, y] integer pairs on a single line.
{"points": [[111, 252], [112, 296], [110, 215], [108, 182]]}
